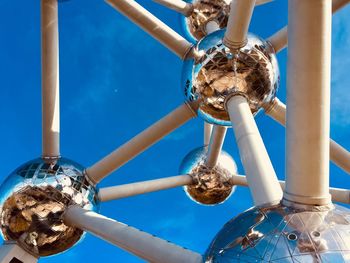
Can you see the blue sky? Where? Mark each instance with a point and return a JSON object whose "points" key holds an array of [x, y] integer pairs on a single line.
{"points": [[115, 81]]}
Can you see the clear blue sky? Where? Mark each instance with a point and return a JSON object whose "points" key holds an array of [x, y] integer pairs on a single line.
{"points": [[115, 81]]}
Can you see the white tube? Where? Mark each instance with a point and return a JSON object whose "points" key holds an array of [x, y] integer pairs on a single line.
{"points": [[216, 142], [50, 79], [10, 252], [338, 194], [277, 111], [211, 27], [140, 142], [127, 190], [238, 23], [338, 155], [262, 2], [207, 132], [279, 40], [152, 25], [308, 100], [141, 244], [178, 5], [261, 176], [338, 4]]}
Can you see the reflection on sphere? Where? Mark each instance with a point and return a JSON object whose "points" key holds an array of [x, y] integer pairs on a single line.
{"points": [[283, 234], [219, 73], [33, 199], [210, 185]]}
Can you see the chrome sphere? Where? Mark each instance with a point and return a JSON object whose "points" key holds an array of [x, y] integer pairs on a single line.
{"points": [[284, 234], [33, 199], [205, 11], [219, 73], [211, 185]]}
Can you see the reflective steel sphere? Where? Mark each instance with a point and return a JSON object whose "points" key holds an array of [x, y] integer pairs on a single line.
{"points": [[283, 234], [219, 73], [205, 11], [33, 199], [211, 185]]}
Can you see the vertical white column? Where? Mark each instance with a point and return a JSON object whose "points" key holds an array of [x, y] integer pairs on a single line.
{"points": [[261, 176], [238, 23], [207, 132], [50, 79], [308, 100], [216, 142]]}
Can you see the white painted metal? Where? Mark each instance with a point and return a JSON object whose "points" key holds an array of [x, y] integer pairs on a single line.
{"points": [[207, 132], [216, 142], [211, 27], [280, 39], [308, 95], [277, 111], [178, 5], [140, 142], [127, 190], [152, 25], [50, 79], [139, 243], [11, 251], [263, 182], [238, 23], [338, 155], [338, 194], [338, 4], [262, 2]]}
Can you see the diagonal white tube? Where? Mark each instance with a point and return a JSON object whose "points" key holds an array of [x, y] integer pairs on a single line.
{"points": [[177, 5], [141, 142], [153, 26], [279, 40], [127, 190], [261, 176], [141, 244], [241, 12], [50, 79], [338, 155], [262, 2], [308, 100], [216, 142], [10, 252]]}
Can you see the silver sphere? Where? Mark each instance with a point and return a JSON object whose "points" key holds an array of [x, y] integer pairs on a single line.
{"points": [[284, 234], [33, 199], [211, 185], [205, 11], [219, 73]]}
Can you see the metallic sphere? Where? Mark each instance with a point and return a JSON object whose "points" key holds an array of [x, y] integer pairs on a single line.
{"points": [[211, 185], [204, 11], [33, 199], [219, 73], [284, 234]]}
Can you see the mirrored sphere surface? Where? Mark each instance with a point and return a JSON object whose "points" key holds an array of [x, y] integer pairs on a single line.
{"points": [[219, 73], [204, 11], [283, 234], [33, 199], [211, 185]]}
